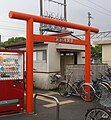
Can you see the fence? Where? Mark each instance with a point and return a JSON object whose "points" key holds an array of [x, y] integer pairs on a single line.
{"points": [[78, 71]]}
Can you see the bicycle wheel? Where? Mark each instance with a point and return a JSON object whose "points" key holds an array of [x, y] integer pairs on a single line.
{"points": [[97, 114], [101, 91], [64, 89], [87, 92]]}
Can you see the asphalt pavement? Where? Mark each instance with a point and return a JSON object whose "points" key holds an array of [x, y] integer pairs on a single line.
{"points": [[72, 108]]}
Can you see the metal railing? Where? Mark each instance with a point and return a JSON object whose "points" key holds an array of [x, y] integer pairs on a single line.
{"points": [[48, 97]]}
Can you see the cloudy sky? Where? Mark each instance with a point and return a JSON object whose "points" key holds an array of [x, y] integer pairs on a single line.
{"points": [[76, 12]]}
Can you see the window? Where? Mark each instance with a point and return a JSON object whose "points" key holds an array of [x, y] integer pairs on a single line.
{"points": [[41, 55], [34, 56], [44, 55]]}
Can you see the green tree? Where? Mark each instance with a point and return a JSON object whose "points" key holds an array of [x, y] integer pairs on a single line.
{"points": [[1, 45], [96, 53], [11, 41]]}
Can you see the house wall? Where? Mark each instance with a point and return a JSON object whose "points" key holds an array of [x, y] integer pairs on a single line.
{"points": [[81, 58], [106, 54], [78, 71], [44, 69], [41, 66], [106, 48], [53, 58], [41, 75], [70, 47], [43, 79]]}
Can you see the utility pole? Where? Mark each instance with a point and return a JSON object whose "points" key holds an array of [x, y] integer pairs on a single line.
{"points": [[0, 38], [41, 8], [89, 19], [41, 14], [65, 9]]}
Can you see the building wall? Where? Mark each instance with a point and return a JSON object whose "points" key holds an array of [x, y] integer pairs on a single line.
{"points": [[41, 66], [53, 58], [70, 47], [41, 76], [78, 71], [106, 54], [106, 48], [44, 69], [81, 58], [43, 79]]}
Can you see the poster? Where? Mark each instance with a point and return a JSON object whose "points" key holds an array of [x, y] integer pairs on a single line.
{"points": [[11, 65]]}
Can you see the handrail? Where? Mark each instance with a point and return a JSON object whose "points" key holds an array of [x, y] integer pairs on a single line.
{"points": [[48, 97]]}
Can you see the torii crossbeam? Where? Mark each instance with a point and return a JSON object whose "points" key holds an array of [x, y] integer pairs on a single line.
{"points": [[30, 37]]}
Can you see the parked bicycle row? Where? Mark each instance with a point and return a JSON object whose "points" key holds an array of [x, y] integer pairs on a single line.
{"points": [[99, 91], [95, 88], [101, 109]]}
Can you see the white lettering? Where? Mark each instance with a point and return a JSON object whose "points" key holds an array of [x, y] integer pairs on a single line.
{"points": [[64, 40]]}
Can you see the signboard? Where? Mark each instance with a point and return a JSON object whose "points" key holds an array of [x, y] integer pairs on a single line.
{"points": [[64, 40], [11, 66]]}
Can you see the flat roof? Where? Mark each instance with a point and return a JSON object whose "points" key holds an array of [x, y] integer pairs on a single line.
{"points": [[101, 42]]}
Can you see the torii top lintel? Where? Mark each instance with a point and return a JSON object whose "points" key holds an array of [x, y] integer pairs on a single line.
{"points": [[39, 19]]}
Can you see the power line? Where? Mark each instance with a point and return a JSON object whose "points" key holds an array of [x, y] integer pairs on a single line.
{"points": [[11, 35], [7, 21], [92, 8], [12, 27], [56, 2], [6, 28], [100, 6]]}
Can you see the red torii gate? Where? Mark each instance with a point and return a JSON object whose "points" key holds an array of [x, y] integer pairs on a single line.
{"points": [[30, 37]]}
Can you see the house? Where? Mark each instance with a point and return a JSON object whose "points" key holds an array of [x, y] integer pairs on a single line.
{"points": [[51, 58], [104, 39]]}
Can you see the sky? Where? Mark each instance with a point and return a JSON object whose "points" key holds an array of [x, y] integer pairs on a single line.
{"points": [[76, 12]]}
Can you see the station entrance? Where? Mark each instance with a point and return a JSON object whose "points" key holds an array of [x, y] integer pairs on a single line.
{"points": [[30, 37]]}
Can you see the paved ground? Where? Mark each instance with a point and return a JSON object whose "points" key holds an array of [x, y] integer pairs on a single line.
{"points": [[72, 108]]}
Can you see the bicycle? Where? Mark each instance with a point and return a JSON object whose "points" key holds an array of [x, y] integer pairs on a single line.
{"points": [[98, 114], [106, 79], [101, 84], [79, 88], [56, 78], [103, 112], [65, 89], [98, 86]]}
